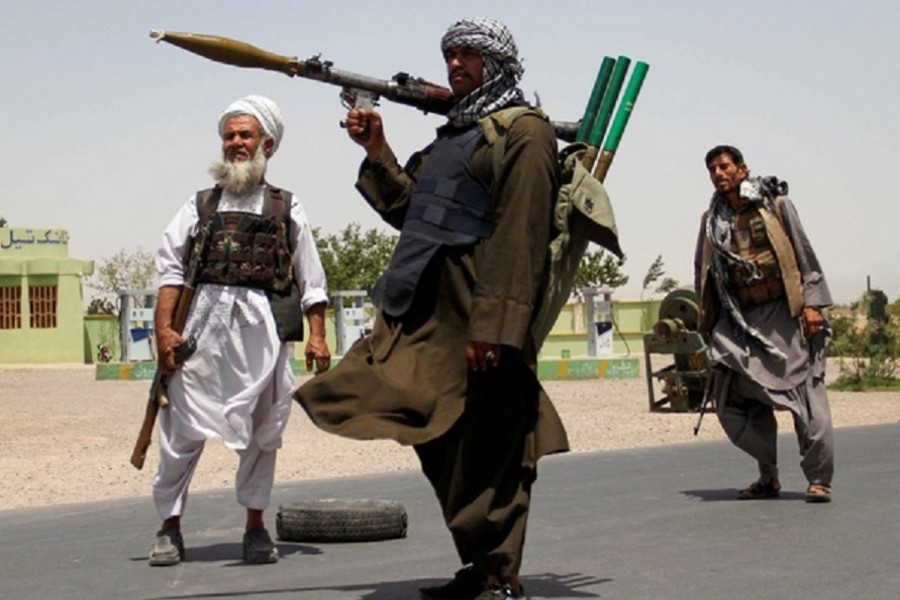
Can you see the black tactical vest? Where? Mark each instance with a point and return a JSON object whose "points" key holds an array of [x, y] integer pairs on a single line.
{"points": [[447, 208], [250, 250]]}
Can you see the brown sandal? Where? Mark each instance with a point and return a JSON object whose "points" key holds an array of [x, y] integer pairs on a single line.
{"points": [[759, 491], [817, 492]]}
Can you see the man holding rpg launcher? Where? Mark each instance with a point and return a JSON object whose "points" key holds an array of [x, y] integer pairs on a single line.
{"points": [[450, 365]]}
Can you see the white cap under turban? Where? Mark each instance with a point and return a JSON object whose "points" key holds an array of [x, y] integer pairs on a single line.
{"points": [[265, 111]]}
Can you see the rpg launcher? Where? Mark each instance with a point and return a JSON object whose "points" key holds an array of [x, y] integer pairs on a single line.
{"points": [[357, 91]]}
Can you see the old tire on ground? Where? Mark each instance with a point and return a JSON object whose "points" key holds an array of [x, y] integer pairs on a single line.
{"points": [[341, 521]]}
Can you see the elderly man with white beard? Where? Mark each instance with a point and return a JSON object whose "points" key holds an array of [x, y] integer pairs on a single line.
{"points": [[261, 272]]}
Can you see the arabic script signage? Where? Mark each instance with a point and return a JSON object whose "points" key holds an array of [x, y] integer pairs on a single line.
{"points": [[34, 242]]}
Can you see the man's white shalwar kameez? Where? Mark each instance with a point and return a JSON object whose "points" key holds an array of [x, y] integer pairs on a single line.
{"points": [[237, 385]]}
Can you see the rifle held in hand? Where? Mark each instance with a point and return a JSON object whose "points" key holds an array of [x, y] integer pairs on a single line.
{"points": [[159, 397]]}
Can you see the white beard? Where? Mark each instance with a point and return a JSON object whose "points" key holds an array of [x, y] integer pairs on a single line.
{"points": [[240, 177]]}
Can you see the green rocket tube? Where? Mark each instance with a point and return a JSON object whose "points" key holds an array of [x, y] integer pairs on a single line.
{"points": [[609, 101], [604, 112], [626, 106], [590, 113]]}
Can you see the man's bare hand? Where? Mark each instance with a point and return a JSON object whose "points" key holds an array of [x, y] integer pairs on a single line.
{"points": [[812, 320], [366, 128], [167, 340], [317, 354], [482, 355]]}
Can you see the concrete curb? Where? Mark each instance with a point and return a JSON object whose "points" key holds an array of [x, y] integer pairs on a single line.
{"points": [[548, 369]]}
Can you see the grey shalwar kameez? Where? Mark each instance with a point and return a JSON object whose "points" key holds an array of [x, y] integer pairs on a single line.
{"points": [[750, 382]]}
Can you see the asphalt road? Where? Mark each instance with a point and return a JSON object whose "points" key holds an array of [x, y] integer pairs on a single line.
{"points": [[658, 523]]}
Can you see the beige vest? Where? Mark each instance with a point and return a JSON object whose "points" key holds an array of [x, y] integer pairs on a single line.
{"points": [[787, 261]]}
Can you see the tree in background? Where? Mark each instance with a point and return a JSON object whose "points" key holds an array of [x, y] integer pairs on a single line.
{"points": [[598, 269], [668, 284], [354, 259], [867, 343], [101, 306], [654, 274], [893, 309], [3, 222], [124, 270]]}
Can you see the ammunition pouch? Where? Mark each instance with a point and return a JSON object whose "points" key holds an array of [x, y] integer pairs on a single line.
{"points": [[288, 313], [251, 250], [759, 279], [249, 258]]}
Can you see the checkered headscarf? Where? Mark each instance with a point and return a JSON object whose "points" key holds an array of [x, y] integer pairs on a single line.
{"points": [[502, 68]]}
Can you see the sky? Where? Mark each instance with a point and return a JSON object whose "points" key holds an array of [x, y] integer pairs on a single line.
{"points": [[107, 133]]}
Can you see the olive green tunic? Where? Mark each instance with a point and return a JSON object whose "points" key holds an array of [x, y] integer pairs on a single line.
{"points": [[478, 435]]}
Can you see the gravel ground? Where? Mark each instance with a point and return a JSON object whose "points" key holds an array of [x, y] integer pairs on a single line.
{"points": [[67, 438]]}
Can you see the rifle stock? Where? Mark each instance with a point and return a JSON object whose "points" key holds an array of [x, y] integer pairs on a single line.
{"points": [[145, 435], [360, 91], [707, 394], [159, 397]]}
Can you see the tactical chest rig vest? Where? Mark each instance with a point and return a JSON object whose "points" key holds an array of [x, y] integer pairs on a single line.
{"points": [[782, 250], [447, 208], [751, 242], [250, 250]]}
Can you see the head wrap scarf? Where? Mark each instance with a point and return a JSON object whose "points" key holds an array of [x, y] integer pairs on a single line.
{"points": [[264, 110], [502, 68]]}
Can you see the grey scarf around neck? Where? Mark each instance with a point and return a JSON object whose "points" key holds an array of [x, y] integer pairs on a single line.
{"points": [[753, 190]]}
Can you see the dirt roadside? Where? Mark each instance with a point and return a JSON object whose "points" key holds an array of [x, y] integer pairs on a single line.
{"points": [[67, 438]]}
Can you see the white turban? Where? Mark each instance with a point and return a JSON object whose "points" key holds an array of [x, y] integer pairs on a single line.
{"points": [[264, 110]]}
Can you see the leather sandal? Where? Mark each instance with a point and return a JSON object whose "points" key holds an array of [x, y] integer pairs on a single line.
{"points": [[760, 491], [817, 492]]}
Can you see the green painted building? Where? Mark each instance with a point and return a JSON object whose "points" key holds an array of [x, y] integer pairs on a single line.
{"points": [[42, 318], [630, 320], [41, 297]]}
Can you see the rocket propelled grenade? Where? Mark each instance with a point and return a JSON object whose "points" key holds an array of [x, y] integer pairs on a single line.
{"points": [[602, 104], [358, 91]]}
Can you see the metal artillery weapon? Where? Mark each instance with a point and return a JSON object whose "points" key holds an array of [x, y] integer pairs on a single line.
{"points": [[685, 381]]}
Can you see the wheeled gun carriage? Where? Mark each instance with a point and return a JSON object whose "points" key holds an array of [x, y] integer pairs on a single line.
{"points": [[675, 333]]}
